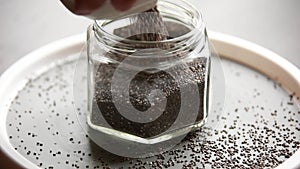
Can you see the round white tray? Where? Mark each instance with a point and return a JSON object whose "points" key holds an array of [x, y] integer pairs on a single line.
{"points": [[42, 60]]}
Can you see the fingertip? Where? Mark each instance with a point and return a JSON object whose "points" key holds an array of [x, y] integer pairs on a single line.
{"points": [[85, 7], [122, 5], [70, 5]]}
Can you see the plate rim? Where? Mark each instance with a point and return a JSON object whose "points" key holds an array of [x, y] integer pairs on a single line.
{"points": [[228, 46]]}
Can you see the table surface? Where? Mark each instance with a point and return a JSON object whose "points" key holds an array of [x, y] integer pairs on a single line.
{"points": [[274, 24]]}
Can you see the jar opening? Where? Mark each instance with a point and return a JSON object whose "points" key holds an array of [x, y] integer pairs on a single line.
{"points": [[174, 13]]}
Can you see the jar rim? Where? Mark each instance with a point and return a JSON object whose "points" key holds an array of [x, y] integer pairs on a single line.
{"points": [[196, 19]]}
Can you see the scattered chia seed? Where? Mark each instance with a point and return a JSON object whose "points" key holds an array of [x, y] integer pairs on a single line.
{"points": [[243, 144]]}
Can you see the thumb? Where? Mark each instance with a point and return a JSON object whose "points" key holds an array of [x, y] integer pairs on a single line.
{"points": [[122, 5], [83, 7]]}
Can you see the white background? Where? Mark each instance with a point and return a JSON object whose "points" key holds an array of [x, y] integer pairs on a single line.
{"points": [[274, 24]]}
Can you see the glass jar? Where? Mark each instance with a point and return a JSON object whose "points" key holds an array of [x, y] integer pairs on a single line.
{"points": [[149, 91]]}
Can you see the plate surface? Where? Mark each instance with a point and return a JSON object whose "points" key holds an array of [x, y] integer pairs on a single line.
{"points": [[259, 126]]}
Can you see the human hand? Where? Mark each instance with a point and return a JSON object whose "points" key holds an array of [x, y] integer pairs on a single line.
{"points": [[85, 7]]}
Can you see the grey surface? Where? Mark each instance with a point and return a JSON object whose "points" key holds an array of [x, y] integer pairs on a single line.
{"points": [[274, 24]]}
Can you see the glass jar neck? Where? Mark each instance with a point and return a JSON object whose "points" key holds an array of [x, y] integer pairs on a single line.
{"points": [[183, 22]]}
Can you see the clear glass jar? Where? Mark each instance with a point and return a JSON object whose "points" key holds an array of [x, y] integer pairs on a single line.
{"points": [[149, 91]]}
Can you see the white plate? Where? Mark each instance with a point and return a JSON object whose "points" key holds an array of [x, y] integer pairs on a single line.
{"points": [[37, 62]]}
